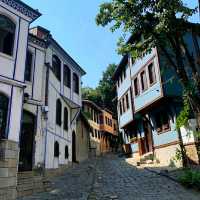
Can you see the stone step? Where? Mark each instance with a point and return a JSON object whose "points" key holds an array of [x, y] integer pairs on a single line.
{"points": [[28, 183]]}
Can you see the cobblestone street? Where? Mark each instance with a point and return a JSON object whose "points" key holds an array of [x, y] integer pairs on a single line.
{"points": [[111, 177]]}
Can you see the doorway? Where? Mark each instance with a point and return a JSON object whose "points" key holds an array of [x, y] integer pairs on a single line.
{"points": [[27, 142], [146, 142], [73, 146]]}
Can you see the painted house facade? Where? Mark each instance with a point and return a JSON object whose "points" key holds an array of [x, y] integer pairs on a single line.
{"points": [[40, 98], [15, 19], [104, 128], [149, 101]]}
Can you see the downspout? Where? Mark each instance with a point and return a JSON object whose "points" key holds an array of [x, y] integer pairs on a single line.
{"points": [[46, 104]]}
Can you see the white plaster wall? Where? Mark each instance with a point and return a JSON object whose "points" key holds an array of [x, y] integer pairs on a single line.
{"points": [[125, 85], [15, 62], [7, 62], [21, 53], [39, 64], [15, 114]]}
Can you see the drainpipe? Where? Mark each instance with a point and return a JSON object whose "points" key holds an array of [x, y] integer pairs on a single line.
{"points": [[46, 117]]}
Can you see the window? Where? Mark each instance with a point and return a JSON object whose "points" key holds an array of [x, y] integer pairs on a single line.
{"points": [[118, 83], [143, 80], [136, 87], [66, 152], [115, 127], [92, 133], [106, 120], [76, 83], [66, 119], [123, 105], [7, 33], [58, 112], [28, 67], [99, 136], [56, 149], [121, 78], [56, 67], [95, 133], [127, 102], [101, 119], [162, 121], [3, 114], [67, 76], [152, 75], [124, 73], [120, 107]]}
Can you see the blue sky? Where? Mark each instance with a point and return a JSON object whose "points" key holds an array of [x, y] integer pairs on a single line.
{"points": [[72, 24]]}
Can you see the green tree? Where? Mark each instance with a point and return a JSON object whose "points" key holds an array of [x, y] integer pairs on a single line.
{"points": [[104, 93], [107, 88], [154, 23], [92, 95]]}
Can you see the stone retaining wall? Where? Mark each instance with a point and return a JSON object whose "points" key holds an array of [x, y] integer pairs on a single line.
{"points": [[8, 169]]}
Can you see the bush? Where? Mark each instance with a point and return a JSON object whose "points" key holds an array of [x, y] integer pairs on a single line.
{"points": [[190, 179]]}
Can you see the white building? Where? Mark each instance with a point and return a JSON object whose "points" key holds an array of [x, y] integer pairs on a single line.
{"points": [[52, 103], [40, 97]]}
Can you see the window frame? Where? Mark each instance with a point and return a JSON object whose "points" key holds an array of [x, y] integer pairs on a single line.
{"points": [[164, 127], [127, 101], [56, 66], [136, 86], [12, 47], [58, 112], [76, 84], [56, 149], [153, 73], [66, 119], [66, 152], [144, 84], [30, 67], [4, 113], [66, 76]]}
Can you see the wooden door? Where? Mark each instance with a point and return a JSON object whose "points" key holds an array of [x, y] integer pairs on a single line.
{"points": [[27, 142]]}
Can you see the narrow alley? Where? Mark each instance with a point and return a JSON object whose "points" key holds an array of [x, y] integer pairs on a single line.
{"points": [[110, 177]]}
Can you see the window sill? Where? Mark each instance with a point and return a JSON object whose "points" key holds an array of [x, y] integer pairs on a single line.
{"points": [[28, 82], [7, 56]]}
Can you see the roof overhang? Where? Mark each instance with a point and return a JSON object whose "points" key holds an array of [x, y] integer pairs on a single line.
{"points": [[70, 103], [23, 8]]}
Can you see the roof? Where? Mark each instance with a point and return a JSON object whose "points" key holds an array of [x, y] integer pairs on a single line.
{"points": [[93, 104], [97, 107], [50, 40], [23, 8], [120, 67], [123, 61], [194, 26], [34, 39], [71, 60]]}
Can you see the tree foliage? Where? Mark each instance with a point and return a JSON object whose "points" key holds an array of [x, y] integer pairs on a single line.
{"points": [[104, 93]]}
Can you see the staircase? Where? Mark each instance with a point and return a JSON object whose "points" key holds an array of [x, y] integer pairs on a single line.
{"points": [[29, 183]]}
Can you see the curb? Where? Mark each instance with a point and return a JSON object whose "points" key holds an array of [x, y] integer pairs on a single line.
{"points": [[162, 174]]}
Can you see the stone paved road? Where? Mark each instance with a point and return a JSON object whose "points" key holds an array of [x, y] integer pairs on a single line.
{"points": [[111, 178]]}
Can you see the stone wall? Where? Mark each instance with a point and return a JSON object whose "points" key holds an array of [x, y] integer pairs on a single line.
{"points": [[82, 141], [166, 154], [8, 169], [191, 152]]}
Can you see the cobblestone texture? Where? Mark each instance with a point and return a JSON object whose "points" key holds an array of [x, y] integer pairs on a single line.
{"points": [[111, 178]]}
